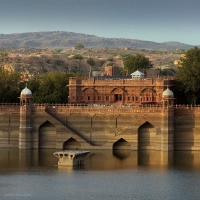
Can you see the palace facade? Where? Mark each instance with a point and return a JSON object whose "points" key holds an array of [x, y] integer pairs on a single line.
{"points": [[131, 90]]}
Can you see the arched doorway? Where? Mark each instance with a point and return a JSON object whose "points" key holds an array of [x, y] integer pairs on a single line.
{"points": [[71, 144], [121, 144], [146, 137], [118, 95], [47, 136]]}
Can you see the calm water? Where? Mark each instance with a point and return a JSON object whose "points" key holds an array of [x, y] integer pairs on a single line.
{"points": [[106, 175]]}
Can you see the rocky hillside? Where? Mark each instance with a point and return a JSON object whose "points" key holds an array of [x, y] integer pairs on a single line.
{"points": [[60, 39], [34, 61]]}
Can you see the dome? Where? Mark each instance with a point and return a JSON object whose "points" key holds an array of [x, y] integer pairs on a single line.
{"points": [[26, 91], [137, 74], [168, 93]]}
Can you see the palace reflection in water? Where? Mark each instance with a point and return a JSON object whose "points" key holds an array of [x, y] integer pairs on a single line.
{"points": [[102, 160]]}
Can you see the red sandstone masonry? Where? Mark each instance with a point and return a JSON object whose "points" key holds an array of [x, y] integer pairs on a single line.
{"points": [[131, 91]]}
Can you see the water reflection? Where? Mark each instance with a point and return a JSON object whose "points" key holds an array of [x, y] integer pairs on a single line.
{"points": [[121, 154], [15, 159], [187, 160], [108, 160], [155, 158], [18, 159]]}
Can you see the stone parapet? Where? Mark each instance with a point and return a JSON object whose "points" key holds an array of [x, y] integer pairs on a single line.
{"points": [[108, 108], [102, 109], [9, 107]]}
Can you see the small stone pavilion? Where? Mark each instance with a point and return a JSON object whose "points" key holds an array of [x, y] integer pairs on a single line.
{"points": [[71, 158], [137, 75]]}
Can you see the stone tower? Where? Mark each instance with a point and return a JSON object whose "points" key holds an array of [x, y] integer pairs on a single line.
{"points": [[167, 125], [25, 119]]}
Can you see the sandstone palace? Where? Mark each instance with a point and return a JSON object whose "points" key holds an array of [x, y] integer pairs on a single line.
{"points": [[110, 90], [135, 112]]}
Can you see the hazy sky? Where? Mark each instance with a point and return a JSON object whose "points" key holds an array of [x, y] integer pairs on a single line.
{"points": [[152, 20]]}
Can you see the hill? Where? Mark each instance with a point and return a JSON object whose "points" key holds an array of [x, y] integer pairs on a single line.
{"points": [[34, 61], [61, 39]]}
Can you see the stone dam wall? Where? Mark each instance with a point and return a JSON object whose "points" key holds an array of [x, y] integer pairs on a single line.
{"points": [[102, 127]]}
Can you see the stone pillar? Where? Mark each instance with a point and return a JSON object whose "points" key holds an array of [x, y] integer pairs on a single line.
{"points": [[167, 129], [25, 128]]}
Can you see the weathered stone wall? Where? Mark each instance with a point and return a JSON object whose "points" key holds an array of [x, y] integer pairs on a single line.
{"points": [[9, 125], [78, 127], [187, 128], [102, 127]]}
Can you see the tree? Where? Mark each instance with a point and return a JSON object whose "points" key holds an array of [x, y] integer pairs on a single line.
{"points": [[79, 45], [50, 87], [91, 62], [78, 57], [57, 51], [9, 86], [136, 62], [188, 77]]}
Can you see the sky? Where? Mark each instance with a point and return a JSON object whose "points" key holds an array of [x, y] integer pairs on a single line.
{"points": [[150, 20]]}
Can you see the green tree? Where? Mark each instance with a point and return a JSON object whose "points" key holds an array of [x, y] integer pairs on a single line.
{"points": [[79, 45], [136, 62], [91, 62], [9, 86], [57, 51], [58, 62], [78, 57], [188, 77], [50, 87]]}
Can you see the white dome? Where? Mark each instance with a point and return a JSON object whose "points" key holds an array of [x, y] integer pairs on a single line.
{"points": [[137, 74], [168, 93], [26, 91]]}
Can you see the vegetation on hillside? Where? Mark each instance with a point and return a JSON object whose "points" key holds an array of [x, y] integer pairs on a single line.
{"points": [[44, 68], [31, 62]]}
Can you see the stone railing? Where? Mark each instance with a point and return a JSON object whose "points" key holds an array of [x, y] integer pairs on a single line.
{"points": [[101, 108], [187, 108], [9, 107], [90, 108]]}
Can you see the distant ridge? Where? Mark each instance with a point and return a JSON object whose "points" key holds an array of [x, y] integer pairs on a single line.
{"points": [[62, 39]]}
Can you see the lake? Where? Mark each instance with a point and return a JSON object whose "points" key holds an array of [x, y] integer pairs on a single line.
{"points": [[117, 175]]}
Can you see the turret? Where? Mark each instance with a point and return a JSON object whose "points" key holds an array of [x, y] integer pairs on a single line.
{"points": [[168, 98], [25, 119], [167, 128]]}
